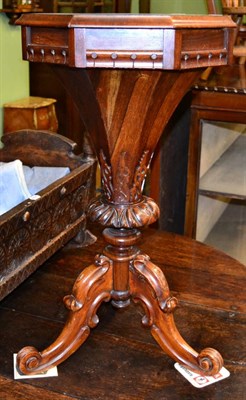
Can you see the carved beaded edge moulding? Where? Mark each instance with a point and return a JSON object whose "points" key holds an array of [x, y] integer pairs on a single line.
{"points": [[170, 42]]}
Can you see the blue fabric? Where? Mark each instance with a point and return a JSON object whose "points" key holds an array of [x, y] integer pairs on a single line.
{"points": [[38, 178], [13, 188], [18, 182]]}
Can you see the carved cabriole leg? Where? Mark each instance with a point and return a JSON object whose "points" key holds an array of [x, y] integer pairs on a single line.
{"points": [[149, 286], [92, 287]]}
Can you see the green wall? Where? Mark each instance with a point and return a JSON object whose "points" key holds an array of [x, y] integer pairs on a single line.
{"points": [[14, 73], [176, 6]]}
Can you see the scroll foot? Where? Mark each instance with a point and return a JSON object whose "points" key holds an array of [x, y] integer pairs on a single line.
{"points": [[148, 285], [92, 287]]}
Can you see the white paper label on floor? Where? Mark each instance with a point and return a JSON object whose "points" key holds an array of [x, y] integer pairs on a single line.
{"points": [[200, 381], [17, 375]]}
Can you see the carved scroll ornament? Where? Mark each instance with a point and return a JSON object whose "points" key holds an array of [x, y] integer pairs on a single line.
{"points": [[122, 204], [149, 286]]}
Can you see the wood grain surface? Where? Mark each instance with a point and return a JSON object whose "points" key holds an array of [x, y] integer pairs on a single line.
{"points": [[120, 360]]}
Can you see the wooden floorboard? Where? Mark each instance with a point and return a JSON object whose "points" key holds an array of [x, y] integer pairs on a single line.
{"points": [[120, 360], [10, 390]]}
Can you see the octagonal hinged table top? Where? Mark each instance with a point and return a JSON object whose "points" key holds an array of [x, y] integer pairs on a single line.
{"points": [[128, 40]]}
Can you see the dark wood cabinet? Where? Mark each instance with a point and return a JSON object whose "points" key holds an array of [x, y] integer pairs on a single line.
{"points": [[169, 170], [120, 6], [45, 83], [216, 190], [46, 5]]}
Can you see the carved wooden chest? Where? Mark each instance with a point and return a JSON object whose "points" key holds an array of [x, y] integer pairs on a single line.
{"points": [[35, 229]]}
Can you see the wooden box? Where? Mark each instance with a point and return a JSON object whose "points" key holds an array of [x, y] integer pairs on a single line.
{"points": [[30, 113], [35, 229]]}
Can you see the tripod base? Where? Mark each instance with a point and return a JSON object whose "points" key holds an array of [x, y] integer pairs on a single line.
{"points": [[147, 285]]}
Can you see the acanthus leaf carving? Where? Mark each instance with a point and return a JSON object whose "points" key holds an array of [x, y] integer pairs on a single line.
{"points": [[135, 215], [122, 180], [120, 189], [106, 177], [139, 177]]}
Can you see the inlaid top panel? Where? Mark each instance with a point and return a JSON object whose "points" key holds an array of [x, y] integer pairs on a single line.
{"points": [[128, 40]]}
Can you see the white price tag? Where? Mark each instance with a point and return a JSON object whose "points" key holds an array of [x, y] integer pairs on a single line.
{"points": [[200, 381], [17, 375]]}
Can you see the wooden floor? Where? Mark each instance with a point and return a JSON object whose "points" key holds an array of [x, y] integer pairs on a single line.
{"points": [[120, 360]]}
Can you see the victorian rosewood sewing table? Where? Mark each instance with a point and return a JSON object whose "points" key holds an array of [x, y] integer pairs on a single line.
{"points": [[127, 74]]}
